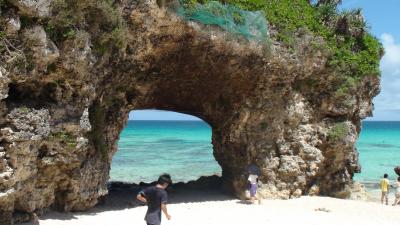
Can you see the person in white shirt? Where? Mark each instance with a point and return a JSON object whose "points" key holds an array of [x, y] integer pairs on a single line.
{"points": [[253, 188]]}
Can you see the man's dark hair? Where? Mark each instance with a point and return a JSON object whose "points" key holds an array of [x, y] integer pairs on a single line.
{"points": [[385, 175], [398, 179], [164, 179]]}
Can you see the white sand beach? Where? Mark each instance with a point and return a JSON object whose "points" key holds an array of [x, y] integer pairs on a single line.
{"points": [[207, 208]]}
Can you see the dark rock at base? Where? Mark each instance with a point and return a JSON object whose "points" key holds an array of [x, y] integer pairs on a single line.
{"points": [[6, 217], [19, 217], [397, 170], [204, 182]]}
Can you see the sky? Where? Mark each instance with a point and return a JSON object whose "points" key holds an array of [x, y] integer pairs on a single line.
{"points": [[383, 17]]}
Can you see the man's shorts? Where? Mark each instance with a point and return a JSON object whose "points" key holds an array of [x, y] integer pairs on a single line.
{"points": [[253, 190], [384, 194]]}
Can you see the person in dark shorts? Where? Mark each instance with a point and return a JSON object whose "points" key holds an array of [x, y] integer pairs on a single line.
{"points": [[156, 199]]}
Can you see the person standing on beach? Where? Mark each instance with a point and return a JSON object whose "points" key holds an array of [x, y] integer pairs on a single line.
{"points": [[385, 188], [254, 173], [397, 194], [253, 178], [156, 198]]}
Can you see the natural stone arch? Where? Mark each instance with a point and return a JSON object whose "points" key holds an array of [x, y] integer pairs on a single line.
{"points": [[60, 120], [183, 141]]}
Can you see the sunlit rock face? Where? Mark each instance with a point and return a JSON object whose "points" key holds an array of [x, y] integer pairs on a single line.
{"points": [[64, 102]]}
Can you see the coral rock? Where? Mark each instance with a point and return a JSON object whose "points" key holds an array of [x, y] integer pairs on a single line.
{"points": [[267, 104]]}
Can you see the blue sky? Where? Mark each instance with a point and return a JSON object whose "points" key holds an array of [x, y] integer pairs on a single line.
{"points": [[384, 19]]}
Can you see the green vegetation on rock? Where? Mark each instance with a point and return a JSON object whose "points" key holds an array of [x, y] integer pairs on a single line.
{"points": [[64, 137], [353, 53], [23, 110], [2, 44], [264, 125], [102, 19], [338, 132], [97, 119], [2, 3]]}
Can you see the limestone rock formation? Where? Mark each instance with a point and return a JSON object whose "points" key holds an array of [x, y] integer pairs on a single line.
{"points": [[71, 73], [34, 8]]}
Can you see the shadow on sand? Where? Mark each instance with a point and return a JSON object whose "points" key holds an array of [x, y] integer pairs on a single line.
{"points": [[122, 196]]}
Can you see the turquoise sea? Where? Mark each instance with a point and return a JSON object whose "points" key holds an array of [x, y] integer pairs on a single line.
{"points": [[148, 148], [183, 149], [379, 149]]}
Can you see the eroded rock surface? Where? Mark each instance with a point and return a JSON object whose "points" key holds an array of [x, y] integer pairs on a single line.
{"points": [[65, 99], [34, 8]]}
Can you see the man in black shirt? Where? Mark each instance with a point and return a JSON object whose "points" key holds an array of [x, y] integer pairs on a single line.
{"points": [[156, 198]]}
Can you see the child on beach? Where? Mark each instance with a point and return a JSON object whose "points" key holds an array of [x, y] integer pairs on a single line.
{"points": [[253, 178], [385, 188], [397, 194], [156, 199]]}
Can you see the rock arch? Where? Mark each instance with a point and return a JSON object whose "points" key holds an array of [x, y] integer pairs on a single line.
{"points": [[187, 150], [61, 120]]}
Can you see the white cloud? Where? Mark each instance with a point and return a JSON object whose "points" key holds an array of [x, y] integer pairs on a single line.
{"points": [[392, 51], [389, 98]]}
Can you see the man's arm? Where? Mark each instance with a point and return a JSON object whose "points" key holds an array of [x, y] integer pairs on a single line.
{"points": [[165, 211], [141, 198]]}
